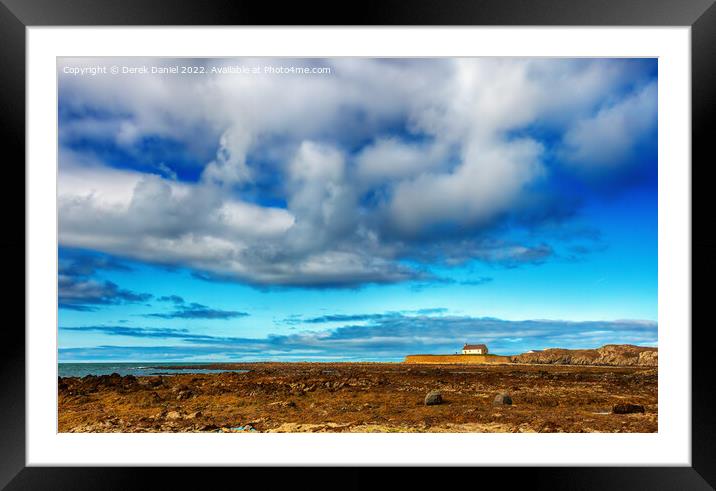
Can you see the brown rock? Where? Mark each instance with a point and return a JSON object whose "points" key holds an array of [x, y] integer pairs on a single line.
{"points": [[627, 408], [184, 394], [433, 398], [502, 398]]}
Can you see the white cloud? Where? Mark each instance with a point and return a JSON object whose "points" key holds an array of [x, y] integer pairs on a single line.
{"points": [[368, 160], [316, 163], [390, 159], [230, 164], [487, 183], [246, 219], [610, 138]]}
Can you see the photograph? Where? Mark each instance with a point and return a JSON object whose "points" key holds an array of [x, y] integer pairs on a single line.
{"points": [[357, 245]]}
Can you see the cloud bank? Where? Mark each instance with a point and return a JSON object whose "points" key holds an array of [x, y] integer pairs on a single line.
{"points": [[387, 337], [370, 174], [79, 290]]}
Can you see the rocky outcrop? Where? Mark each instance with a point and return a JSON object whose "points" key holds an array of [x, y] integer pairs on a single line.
{"points": [[621, 355]]}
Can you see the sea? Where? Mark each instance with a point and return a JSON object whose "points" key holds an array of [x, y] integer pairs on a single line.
{"points": [[136, 369]]}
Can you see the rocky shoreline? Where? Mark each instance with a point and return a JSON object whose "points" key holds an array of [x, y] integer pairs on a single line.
{"points": [[621, 355], [365, 397]]}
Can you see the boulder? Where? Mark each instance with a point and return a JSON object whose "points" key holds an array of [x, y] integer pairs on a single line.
{"points": [[627, 408], [184, 394], [173, 415], [433, 398], [502, 399], [149, 399], [179, 388], [155, 382]]}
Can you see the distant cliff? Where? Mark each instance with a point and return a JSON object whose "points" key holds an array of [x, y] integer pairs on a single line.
{"points": [[610, 354]]}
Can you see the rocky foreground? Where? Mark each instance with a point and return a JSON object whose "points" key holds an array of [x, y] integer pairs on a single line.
{"points": [[367, 397]]}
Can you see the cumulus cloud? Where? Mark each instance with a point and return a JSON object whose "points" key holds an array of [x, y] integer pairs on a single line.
{"points": [[388, 159], [230, 164], [360, 176], [486, 184], [610, 138]]}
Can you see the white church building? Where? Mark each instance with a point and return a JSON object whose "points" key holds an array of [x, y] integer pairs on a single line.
{"points": [[474, 349]]}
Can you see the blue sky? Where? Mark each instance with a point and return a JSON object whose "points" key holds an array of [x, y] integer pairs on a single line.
{"points": [[387, 207]]}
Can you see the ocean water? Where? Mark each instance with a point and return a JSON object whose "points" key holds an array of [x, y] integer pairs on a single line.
{"points": [[136, 369]]}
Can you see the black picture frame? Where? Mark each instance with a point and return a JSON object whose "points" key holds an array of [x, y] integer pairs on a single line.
{"points": [[16, 15]]}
